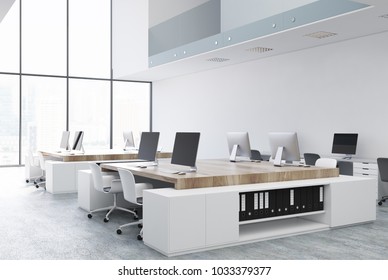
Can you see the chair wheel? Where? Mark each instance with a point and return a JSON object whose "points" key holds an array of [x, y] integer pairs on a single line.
{"points": [[36, 186], [106, 220], [90, 216], [383, 200], [27, 181], [140, 226], [119, 231], [380, 203], [139, 237]]}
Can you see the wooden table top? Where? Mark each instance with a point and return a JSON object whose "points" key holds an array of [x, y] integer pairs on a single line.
{"points": [[99, 155], [219, 172]]}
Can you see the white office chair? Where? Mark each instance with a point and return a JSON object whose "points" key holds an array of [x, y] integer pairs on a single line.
{"points": [[32, 168], [133, 192], [41, 182], [326, 162], [109, 184]]}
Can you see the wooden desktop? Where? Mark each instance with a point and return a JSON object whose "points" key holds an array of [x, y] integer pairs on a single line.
{"points": [[221, 172]]}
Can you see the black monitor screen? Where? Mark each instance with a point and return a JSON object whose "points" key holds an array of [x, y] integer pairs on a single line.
{"points": [[345, 143], [185, 148], [148, 145]]}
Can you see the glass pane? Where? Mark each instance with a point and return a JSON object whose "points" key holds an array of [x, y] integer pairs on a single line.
{"points": [[44, 37], [89, 38], [9, 40], [43, 113], [89, 111], [131, 110], [9, 115]]}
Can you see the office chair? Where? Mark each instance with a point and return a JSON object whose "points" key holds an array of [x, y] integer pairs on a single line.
{"points": [[41, 181], [310, 158], [382, 164], [33, 170], [256, 155], [133, 192], [109, 184], [326, 162]]}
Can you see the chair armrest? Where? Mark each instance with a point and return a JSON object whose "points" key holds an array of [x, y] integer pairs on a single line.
{"points": [[140, 187]]}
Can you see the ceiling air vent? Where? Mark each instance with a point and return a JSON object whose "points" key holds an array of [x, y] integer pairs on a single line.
{"points": [[321, 34], [384, 16], [218, 59], [259, 50]]}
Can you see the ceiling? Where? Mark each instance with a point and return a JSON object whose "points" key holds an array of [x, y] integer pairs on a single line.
{"points": [[371, 20]]}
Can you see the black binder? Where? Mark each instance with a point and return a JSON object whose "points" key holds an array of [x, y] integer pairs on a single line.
{"points": [[309, 197], [286, 201], [272, 203], [261, 205], [279, 203], [318, 198], [297, 200], [303, 199]]}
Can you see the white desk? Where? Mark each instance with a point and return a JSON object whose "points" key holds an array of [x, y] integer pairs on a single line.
{"points": [[184, 221], [62, 168]]}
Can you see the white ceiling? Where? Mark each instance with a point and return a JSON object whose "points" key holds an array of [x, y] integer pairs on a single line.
{"points": [[5, 5], [352, 25]]}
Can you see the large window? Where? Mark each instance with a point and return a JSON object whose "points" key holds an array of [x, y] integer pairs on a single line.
{"points": [[131, 110], [93, 119], [9, 116], [43, 112], [55, 75], [9, 40]]}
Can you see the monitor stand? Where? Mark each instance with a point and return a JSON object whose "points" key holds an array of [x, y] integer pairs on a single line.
{"points": [[233, 154], [347, 157], [278, 158]]}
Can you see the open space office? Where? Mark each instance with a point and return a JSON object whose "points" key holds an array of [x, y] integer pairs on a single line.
{"points": [[316, 68]]}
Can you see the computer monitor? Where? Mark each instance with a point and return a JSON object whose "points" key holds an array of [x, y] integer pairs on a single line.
{"points": [[284, 146], [129, 142], [239, 146], [345, 143], [148, 146], [65, 140], [185, 149], [77, 143]]}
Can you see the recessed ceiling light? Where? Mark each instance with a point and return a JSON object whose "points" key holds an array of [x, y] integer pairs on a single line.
{"points": [[321, 34], [218, 59], [259, 49]]}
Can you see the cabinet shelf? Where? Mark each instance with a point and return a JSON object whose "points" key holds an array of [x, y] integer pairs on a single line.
{"points": [[282, 217], [278, 228]]}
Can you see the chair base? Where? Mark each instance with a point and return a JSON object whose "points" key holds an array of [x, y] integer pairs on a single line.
{"points": [[139, 223], [110, 209], [382, 199]]}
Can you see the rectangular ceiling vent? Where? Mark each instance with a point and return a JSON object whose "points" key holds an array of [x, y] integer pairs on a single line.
{"points": [[259, 50], [218, 59], [321, 34], [384, 16]]}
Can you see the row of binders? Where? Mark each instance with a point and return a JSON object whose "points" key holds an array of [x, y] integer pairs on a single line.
{"points": [[271, 203]]}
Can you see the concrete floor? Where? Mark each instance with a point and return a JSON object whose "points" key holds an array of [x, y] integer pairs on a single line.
{"points": [[38, 225]]}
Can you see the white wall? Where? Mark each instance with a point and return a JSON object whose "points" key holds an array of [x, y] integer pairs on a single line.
{"points": [[340, 87], [5, 6]]}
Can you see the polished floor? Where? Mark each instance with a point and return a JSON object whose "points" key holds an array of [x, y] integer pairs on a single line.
{"points": [[35, 224]]}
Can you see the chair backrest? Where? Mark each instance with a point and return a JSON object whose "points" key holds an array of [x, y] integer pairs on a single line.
{"points": [[382, 164], [41, 161], [97, 176], [31, 158], [310, 158], [129, 185], [256, 155], [326, 162]]}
